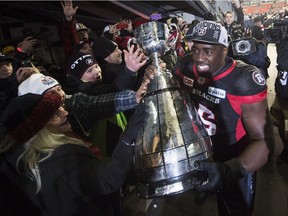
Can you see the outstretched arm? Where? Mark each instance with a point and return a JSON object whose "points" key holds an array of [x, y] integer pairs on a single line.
{"points": [[238, 10], [68, 31], [68, 9]]}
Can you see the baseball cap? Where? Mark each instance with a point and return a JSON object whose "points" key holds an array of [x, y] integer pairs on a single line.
{"points": [[8, 50], [5, 58], [82, 27], [37, 83], [107, 28], [80, 45], [210, 32]]}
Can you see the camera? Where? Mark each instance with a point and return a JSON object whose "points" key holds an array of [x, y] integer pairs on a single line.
{"points": [[278, 32], [210, 16], [243, 46]]}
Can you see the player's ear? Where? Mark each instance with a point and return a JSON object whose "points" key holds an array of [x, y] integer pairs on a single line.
{"points": [[225, 50]]}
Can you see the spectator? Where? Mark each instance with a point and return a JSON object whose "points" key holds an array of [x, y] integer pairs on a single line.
{"points": [[88, 73], [110, 58], [9, 51], [231, 24], [120, 33], [83, 47], [189, 34], [82, 31], [257, 29], [72, 32], [85, 76], [9, 80], [48, 172], [84, 110]]}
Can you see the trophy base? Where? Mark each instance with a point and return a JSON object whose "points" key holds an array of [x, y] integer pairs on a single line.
{"points": [[173, 186]]}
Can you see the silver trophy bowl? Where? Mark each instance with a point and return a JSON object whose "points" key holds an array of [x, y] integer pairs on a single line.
{"points": [[174, 136], [153, 37]]}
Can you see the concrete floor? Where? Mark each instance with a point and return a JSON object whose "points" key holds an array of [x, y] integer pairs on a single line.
{"points": [[271, 190]]}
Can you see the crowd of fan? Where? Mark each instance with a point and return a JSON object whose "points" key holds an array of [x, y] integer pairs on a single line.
{"points": [[100, 85]]}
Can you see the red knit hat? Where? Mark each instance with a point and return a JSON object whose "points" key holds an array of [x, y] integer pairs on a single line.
{"points": [[26, 115]]}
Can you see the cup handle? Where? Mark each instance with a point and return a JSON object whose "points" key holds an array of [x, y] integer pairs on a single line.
{"points": [[174, 40]]}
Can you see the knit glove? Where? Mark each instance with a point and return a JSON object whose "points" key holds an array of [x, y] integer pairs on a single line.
{"points": [[134, 125], [220, 175]]}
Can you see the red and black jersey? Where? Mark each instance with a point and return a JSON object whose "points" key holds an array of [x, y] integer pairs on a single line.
{"points": [[219, 99]]}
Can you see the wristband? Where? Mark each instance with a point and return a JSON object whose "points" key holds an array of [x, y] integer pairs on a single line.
{"points": [[21, 50]]}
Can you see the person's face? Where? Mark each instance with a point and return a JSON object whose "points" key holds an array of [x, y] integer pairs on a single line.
{"points": [[86, 49], [185, 30], [180, 21], [57, 90], [208, 58], [92, 74], [258, 23], [59, 123], [189, 44], [6, 69], [83, 35], [115, 57], [229, 18]]}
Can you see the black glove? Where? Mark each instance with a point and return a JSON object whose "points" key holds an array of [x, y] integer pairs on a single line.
{"points": [[134, 125], [220, 174]]}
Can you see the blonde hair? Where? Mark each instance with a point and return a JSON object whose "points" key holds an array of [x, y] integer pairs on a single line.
{"points": [[44, 142]]}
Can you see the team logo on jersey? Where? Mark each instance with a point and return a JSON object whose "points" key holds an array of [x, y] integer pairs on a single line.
{"points": [[201, 80], [259, 78], [188, 81], [220, 93]]}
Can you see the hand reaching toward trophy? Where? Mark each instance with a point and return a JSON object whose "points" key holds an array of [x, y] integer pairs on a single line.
{"points": [[134, 58], [151, 70]]}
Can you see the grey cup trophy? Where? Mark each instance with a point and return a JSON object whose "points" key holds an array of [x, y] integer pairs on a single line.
{"points": [[174, 136]]}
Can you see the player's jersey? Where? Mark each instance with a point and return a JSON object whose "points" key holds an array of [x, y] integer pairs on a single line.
{"points": [[219, 99]]}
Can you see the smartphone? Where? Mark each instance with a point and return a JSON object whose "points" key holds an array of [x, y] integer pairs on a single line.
{"points": [[26, 63]]}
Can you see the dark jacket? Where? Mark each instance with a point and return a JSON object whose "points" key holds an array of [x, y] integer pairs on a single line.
{"points": [[124, 79], [73, 85], [74, 182], [68, 36], [8, 90], [257, 32], [110, 71], [235, 30], [110, 131]]}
